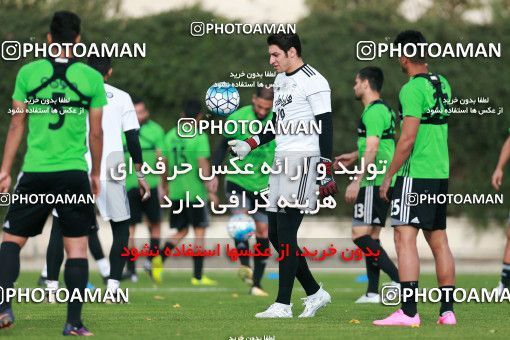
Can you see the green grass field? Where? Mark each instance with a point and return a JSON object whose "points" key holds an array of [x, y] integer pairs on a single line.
{"points": [[178, 310]]}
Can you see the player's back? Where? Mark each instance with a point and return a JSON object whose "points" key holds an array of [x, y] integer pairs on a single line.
{"points": [[293, 105], [429, 157], [58, 112]]}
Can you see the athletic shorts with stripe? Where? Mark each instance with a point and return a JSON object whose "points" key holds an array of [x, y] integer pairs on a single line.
{"points": [[370, 209], [289, 185], [27, 219], [406, 208]]}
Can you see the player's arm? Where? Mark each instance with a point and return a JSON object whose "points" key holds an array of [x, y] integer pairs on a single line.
{"points": [[12, 143], [318, 95], [96, 146], [370, 154], [346, 159], [403, 149], [327, 186], [135, 152], [241, 148], [504, 156]]}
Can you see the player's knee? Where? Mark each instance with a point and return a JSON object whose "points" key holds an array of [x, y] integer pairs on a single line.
{"points": [[76, 247], [261, 231], [357, 233], [19, 240]]}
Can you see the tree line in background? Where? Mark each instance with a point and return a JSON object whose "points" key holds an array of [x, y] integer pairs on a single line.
{"points": [[179, 66]]}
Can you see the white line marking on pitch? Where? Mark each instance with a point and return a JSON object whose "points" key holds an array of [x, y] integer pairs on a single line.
{"points": [[180, 289]]}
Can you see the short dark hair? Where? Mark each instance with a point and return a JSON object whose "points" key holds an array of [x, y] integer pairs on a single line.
{"points": [[285, 42], [412, 37], [374, 75], [264, 92], [65, 27], [102, 64], [192, 108], [137, 100]]}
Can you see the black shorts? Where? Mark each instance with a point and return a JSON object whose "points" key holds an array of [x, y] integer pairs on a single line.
{"points": [[24, 218], [406, 208], [196, 217], [370, 209], [150, 208]]}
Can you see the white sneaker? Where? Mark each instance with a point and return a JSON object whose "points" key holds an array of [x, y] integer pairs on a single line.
{"points": [[51, 287], [501, 288], [315, 302], [276, 310], [392, 283], [369, 298]]}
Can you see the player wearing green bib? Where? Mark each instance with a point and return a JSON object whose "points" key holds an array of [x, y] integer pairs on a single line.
{"points": [[421, 161], [54, 98], [185, 190], [151, 136], [376, 144], [250, 185]]}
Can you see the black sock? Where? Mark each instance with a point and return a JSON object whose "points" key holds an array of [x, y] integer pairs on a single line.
{"points": [[383, 261], [198, 266], [55, 252], [9, 268], [287, 225], [95, 246], [168, 245], [154, 244], [409, 304], [259, 262], [76, 276], [373, 270], [130, 265], [505, 275], [243, 245], [120, 231], [446, 299]]}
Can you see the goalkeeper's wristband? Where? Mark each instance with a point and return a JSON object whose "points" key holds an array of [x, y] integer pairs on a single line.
{"points": [[329, 165], [253, 142]]}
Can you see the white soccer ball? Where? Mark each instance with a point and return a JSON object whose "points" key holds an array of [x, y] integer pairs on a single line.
{"points": [[222, 99], [241, 227]]}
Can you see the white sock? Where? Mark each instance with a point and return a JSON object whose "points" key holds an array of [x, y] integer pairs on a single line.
{"points": [[50, 284], [104, 267], [113, 284], [44, 272]]}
